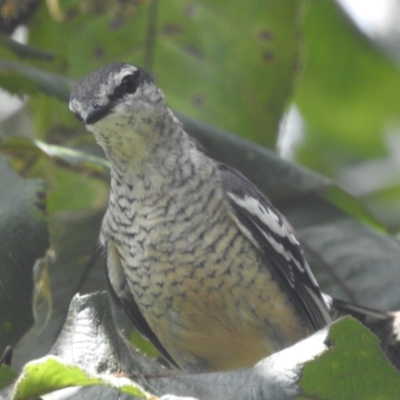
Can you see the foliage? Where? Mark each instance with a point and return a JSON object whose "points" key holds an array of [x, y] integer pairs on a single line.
{"points": [[23, 239], [353, 368], [52, 373], [228, 63]]}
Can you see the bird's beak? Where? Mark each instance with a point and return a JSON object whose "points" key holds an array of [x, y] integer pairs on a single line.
{"points": [[96, 112]]}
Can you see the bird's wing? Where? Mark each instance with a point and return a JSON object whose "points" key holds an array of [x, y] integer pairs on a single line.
{"points": [[121, 294], [270, 232]]}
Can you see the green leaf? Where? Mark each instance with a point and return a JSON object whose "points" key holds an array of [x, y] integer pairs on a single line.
{"points": [[98, 357], [338, 90], [237, 73], [353, 368], [50, 373], [239, 79], [77, 267], [23, 239]]}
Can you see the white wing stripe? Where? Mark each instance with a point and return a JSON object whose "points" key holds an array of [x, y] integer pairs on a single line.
{"points": [[267, 216], [246, 232], [269, 231], [273, 222]]}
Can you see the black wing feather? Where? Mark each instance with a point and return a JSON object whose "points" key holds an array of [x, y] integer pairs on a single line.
{"points": [[289, 263]]}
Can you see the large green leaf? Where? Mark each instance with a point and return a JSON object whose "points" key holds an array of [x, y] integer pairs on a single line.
{"points": [[23, 240], [78, 268], [353, 368], [50, 373], [237, 73], [349, 90], [98, 358]]}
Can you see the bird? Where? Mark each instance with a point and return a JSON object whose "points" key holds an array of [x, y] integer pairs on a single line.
{"points": [[202, 262]]}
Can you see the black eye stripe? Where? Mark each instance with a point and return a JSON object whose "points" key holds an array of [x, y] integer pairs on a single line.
{"points": [[128, 85]]}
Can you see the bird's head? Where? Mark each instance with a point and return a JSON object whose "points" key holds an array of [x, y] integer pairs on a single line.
{"points": [[120, 104], [117, 89]]}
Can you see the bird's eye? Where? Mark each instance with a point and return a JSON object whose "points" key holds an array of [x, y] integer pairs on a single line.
{"points": [[129, 84]]}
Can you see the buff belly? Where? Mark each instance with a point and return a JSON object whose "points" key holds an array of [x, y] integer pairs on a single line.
{"points": [[208, 310]]}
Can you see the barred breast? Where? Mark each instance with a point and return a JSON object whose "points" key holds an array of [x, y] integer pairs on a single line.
{"points": [[203, 287]]}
